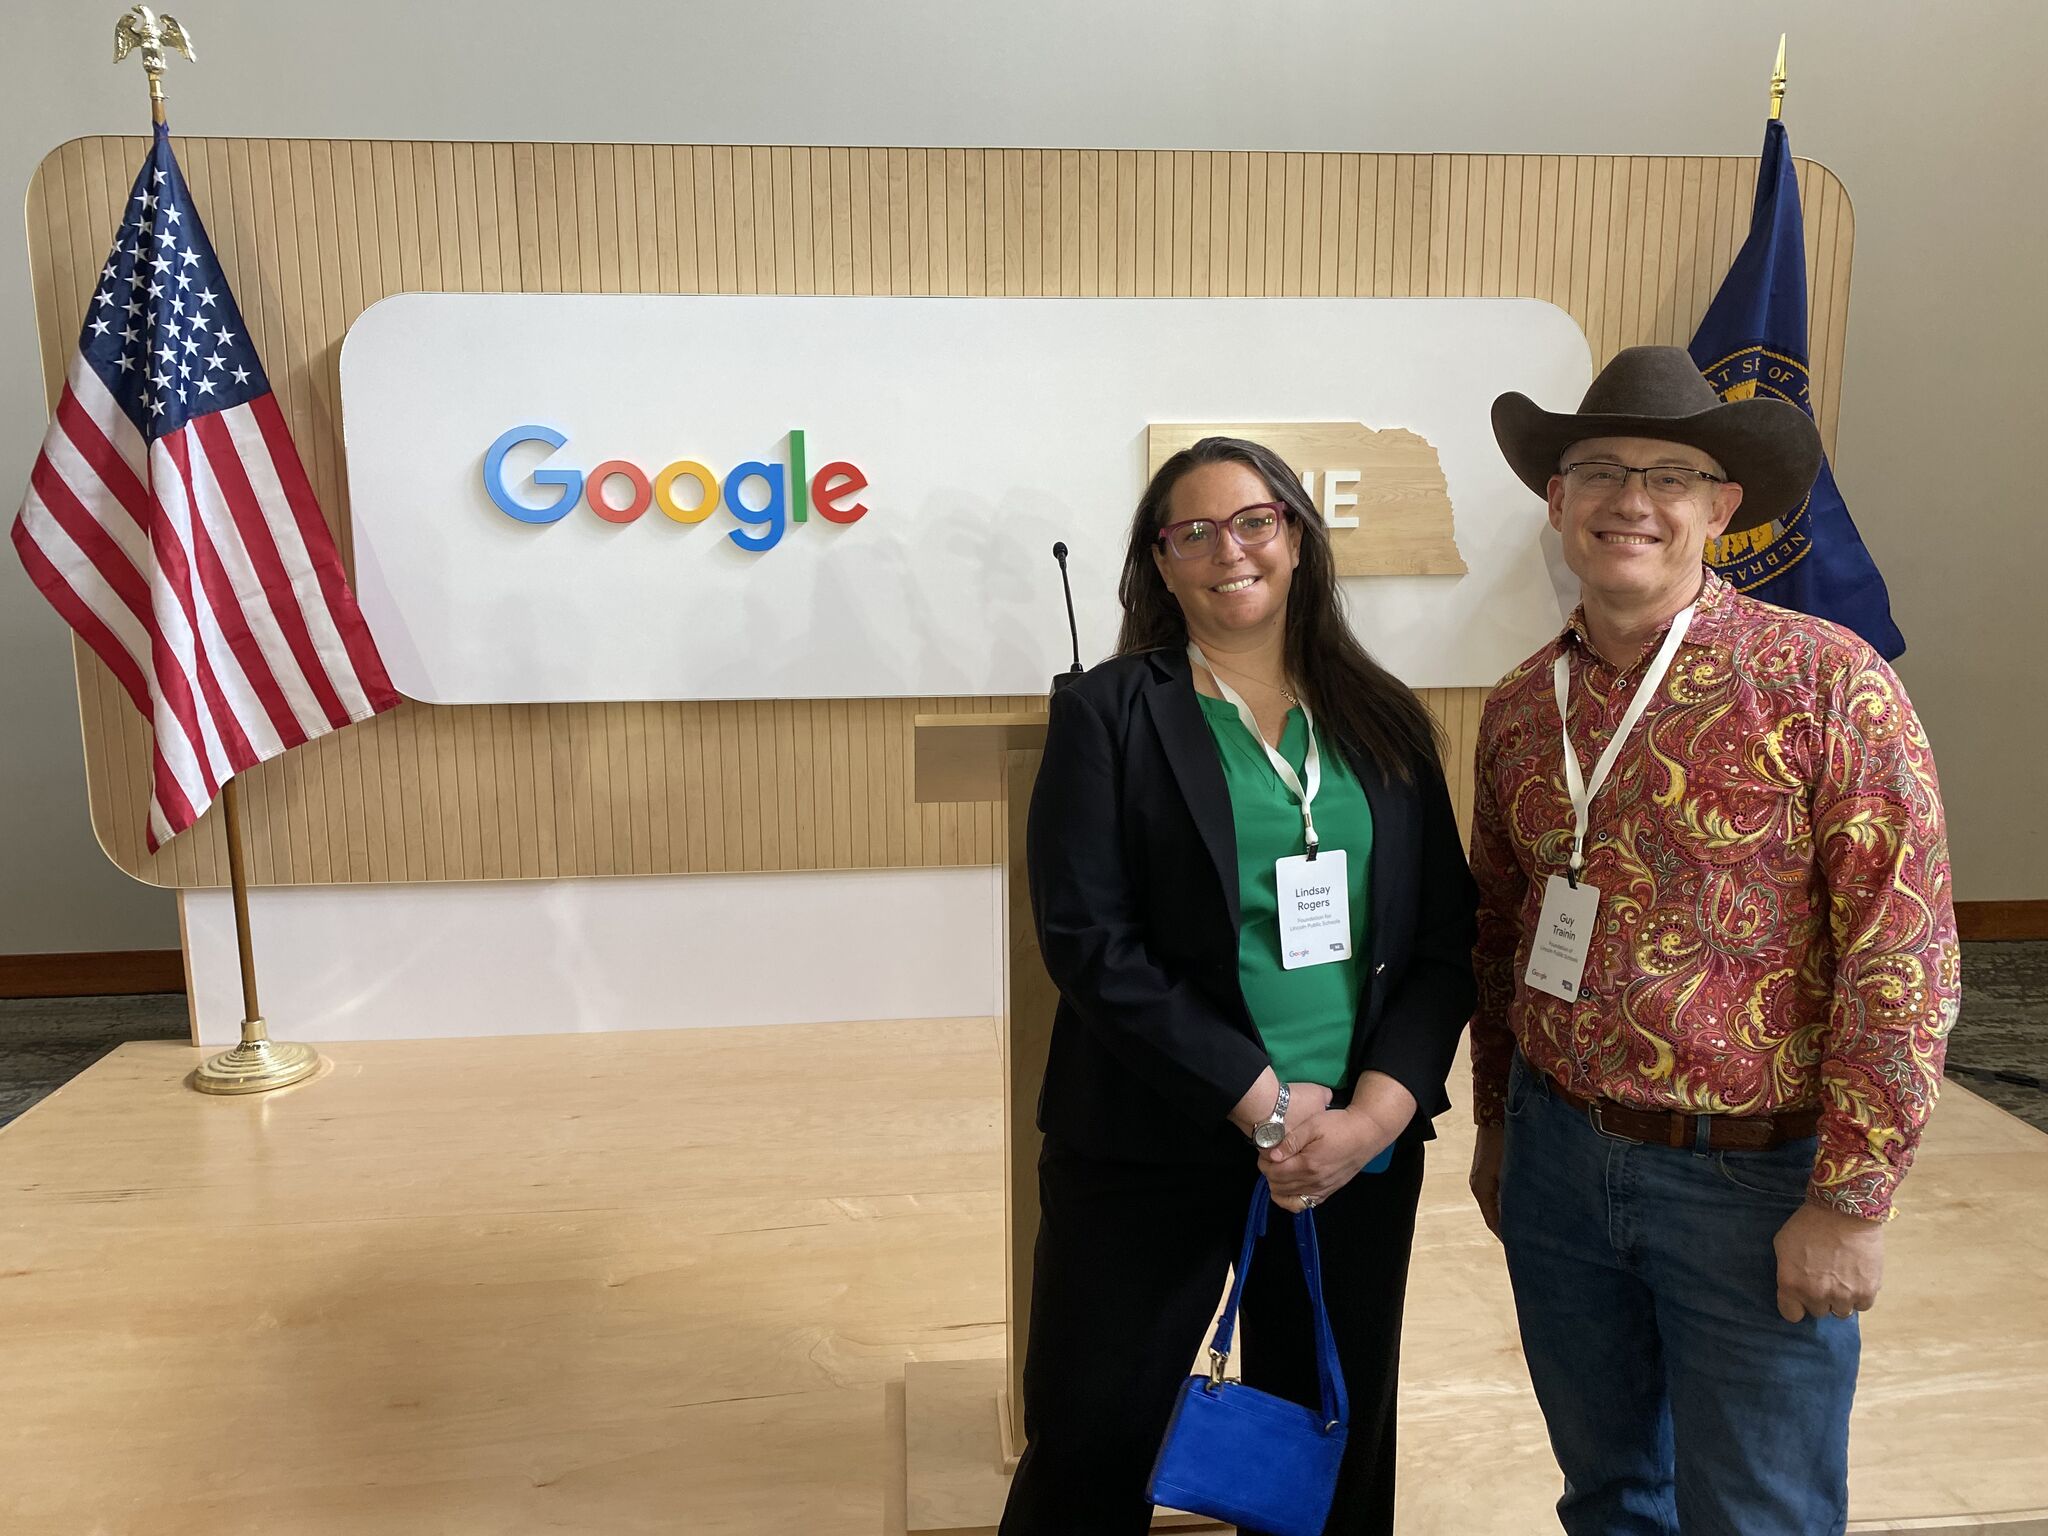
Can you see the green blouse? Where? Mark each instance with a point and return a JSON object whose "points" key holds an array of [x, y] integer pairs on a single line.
{"points": [[1304, 1016]]}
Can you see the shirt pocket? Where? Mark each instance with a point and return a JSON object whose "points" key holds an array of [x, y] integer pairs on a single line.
{"points": [[1745, 798]]}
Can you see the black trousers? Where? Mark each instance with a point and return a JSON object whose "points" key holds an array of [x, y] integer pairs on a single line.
{"points": [[1130, 1267]]}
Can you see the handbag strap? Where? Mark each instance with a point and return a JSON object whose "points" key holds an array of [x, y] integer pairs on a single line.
{"points": [[1336, 1404], [1254, 1229]]}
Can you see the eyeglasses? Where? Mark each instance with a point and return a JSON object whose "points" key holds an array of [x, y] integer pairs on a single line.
{"points": [[1250, 526], [1664, 482]]}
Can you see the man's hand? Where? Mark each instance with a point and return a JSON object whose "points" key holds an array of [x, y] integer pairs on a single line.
{"points": [[1486, 1155], [1829, 1264], [1323, 1153]]}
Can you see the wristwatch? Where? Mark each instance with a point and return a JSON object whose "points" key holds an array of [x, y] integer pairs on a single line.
{"points": [[1272, 1130]]}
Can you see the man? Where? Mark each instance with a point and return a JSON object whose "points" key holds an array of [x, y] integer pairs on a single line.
{"points": [[1717, 963]]}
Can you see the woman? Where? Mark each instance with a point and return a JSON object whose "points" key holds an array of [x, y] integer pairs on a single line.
{"points": [[1163, 835]]}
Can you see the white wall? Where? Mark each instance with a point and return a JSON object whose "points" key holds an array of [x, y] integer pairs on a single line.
{"points": [[1932, 115], [554, 957]]}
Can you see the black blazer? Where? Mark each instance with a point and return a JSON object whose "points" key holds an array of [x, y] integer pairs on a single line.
{"points": [[1132, 857]]}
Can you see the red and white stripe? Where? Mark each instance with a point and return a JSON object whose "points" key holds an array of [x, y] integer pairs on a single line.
{"points": [[199, 569]]}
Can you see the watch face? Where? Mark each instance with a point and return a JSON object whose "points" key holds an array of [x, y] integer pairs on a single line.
{"points": [[1267, 1135]]}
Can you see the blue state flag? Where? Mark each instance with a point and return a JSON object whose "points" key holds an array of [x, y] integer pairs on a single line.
{"points": [[1753, 342]]}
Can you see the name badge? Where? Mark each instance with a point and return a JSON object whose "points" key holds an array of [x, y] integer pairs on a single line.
{"points": [[1564, 937], [1315, 909]]}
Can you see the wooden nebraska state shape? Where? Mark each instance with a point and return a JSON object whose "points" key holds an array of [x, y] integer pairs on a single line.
{"points": [[1382, 493]]}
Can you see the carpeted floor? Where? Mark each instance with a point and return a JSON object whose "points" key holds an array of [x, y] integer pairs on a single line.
{"points": [[2003, 1030], [2004, 1027], [45, 1042]]}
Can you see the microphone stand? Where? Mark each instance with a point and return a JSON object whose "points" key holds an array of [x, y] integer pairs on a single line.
{"points": [[1062, 679]]}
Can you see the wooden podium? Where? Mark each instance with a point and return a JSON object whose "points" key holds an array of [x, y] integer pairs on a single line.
{"points": [[963, 1420]]}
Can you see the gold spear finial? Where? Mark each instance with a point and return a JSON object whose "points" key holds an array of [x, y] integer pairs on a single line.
{"points": [[1777, 81], [143, 28]]}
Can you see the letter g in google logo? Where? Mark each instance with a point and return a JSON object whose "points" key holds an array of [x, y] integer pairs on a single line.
{"points": [[829, 490]]}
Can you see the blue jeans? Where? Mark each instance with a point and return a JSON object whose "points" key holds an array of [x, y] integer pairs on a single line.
{"points": [[1676, 1397]]}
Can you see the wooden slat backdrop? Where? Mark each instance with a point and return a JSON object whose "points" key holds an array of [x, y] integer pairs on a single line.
{"points": [[311, 232]]}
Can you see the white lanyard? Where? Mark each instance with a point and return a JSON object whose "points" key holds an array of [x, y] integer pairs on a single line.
{"points": [[1583, 790], [1305, 798]]}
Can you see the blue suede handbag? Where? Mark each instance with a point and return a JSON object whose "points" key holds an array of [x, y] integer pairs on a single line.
{"points": [[1245, 1456]]}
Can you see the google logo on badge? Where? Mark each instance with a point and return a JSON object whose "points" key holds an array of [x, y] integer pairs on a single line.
{"points": [[789, 494]]}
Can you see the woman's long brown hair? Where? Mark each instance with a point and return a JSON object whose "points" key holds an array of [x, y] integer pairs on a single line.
{"points": [[1362, 705]]}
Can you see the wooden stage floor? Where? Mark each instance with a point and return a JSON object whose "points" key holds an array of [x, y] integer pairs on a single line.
{"points": [[669, 1281]]}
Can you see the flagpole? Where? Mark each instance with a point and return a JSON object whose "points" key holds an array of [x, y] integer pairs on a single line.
{"points": [[1778, 82], [259, 1062]]}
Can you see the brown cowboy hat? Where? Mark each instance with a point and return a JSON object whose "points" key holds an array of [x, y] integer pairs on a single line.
{"points": [[1768, 447]]}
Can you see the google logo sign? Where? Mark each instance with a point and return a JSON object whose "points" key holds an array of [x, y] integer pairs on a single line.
{"points": [[787, 494]]}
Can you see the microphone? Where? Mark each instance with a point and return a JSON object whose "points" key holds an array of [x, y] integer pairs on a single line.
{"points": [[1061, 679]]}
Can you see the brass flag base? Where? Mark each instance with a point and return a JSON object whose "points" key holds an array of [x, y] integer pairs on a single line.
{"points": [[257, 1065]]}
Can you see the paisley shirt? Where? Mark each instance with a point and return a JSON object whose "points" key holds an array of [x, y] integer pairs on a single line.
{"points": [[1775, 926]]}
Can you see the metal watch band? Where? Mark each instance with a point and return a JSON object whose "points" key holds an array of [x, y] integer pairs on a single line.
{"points": [[1279, 1115]]}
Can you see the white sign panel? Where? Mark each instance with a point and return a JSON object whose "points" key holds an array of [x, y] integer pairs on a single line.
{"points": [[576, 497]]}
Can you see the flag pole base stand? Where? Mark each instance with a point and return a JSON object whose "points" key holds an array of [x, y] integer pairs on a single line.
{"points": [[257, 1065]]}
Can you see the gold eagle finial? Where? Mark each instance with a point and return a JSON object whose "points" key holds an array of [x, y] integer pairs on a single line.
{"points": [[143, 28]]}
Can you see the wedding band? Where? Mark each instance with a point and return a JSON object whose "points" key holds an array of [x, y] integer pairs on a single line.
{"points": [[1308, 1202]]}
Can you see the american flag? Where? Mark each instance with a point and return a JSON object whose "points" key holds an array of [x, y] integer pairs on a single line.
{"points": [[169, 520]]}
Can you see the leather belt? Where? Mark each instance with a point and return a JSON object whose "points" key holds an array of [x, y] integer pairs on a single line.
{"points": [[1669, 1128]]}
